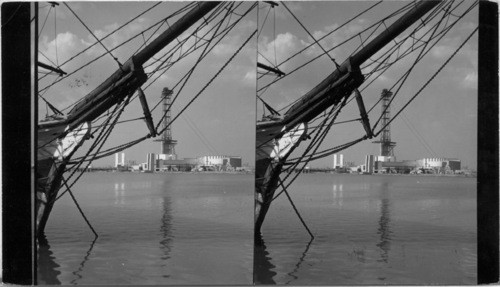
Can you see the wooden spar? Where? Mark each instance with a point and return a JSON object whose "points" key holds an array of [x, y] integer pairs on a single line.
{"points": [[364, 116], [50, 68], [271, 69], [130, 76], [147, 113], [321, 95], [174, 31]]}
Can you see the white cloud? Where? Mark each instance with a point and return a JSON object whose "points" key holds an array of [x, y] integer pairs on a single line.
{"points": [[224, 49], [116, 39], [442, 51], [63, 47], [470, 80], [250, 77], [284, 45]]}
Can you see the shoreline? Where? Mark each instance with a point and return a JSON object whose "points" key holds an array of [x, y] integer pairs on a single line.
{"points": [[397, 174]]}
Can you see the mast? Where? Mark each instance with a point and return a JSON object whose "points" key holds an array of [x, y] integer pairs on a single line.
{"points": [[130, 75]]}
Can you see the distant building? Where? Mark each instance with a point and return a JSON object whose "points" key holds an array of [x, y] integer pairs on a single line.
{"points": [[187, 164], [338, 160], [440, 165], [164, 156], [150, 162], [369, 163], [382, 158], [221, 162], [119, 160], [388, 164], [405, 166]]}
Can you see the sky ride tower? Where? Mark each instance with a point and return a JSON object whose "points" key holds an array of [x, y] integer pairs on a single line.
{"points": [[167, 143], [386, 145]]}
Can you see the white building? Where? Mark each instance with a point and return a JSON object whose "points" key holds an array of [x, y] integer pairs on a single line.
{"points": [[338, 160], [369, 163], [440, 163], [119, 159], [151, 162], [164, 156], [385, 158], [220, 160]]}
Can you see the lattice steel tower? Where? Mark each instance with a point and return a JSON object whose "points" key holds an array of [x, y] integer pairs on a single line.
{"points": [[386, 145], [167, 143]]}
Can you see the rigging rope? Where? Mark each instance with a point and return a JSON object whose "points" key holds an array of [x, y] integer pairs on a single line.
{"points": [[190, 72], [334, 150], [109, 34], [408, 72], [55, 36], [44, 21], [210, 81], [93, 35], [309, 33], [428, 81], [79, 208], [317, 140], [100, 56], [296, 211], [103, 136], [441, 35], [134, 142]]}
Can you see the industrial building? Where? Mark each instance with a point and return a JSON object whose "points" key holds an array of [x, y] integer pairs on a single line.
{"points": [[220, 162], [156, 163], [204, 163], [425, 165]]}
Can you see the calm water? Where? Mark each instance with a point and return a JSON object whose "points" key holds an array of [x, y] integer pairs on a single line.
{"points": [[198, 229], [153, 229], [371, 230]]}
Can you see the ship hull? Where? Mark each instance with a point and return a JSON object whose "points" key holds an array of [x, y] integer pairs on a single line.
{"points": [[271, 154], [56, 146]]}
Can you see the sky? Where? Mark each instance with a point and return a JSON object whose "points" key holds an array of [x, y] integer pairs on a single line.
{"points": [[221, 121], [440, 122]]}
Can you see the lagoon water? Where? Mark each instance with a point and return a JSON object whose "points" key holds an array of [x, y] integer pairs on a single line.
{"points": [[153, 229], [183, 228], [371, 229]]}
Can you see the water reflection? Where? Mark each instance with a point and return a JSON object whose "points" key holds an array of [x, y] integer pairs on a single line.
{"points": [[119, 193], [262, 267], [384, 223], [82, 264], [301, 259], [166, 229], [338, 194], [47, 267]]}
